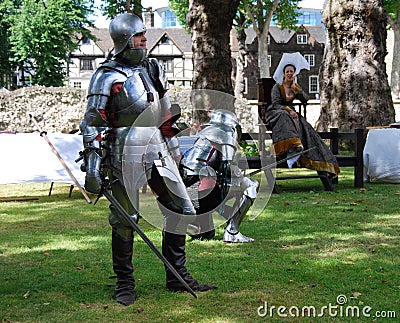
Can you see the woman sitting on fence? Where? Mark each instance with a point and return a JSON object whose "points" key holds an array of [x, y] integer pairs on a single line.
{"points": [[291, 133]]}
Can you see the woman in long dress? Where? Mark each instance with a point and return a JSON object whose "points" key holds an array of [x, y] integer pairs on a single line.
{"points": [[291, 133]]}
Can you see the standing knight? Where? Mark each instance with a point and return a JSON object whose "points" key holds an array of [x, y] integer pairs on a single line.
{"points": [[129, 138]]}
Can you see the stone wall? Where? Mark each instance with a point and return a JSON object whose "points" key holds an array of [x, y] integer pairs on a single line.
{"points": [[61, 109], [55, 109]]}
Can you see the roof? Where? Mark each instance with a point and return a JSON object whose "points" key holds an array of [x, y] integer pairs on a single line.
{"points": [[318, 32], [183, 40], [284, 35], [178, 36], [103, 39]]}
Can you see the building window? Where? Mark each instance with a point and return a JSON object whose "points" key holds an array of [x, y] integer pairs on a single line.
{"points": [[87, 64], [167, 65], [302, 39], [246, 86], [165, 40], [310, 58], [268, 39], [77, 85], [85, 41], [168, 19], [269, 60], [313, 18], [313, 84]]}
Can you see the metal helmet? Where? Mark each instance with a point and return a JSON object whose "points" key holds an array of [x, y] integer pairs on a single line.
{"points": [[224, 117], [122, 28]]}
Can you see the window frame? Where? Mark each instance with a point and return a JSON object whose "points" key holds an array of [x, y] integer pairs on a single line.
{"points": [[302, 39], [84, 63], [313, 84], [310, 58]]}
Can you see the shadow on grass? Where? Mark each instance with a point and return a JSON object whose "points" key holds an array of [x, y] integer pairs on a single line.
{"points": [[311, 246]]}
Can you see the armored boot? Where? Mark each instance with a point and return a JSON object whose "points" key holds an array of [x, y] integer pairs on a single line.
{"points": [[173, 249], [232, 233], [122, 264]]}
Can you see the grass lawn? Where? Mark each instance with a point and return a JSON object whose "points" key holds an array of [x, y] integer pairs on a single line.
{"points": [[332, 252]]}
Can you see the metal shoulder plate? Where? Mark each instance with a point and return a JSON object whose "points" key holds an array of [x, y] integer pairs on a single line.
{"points": [[219, 135], [99, 90], [105, 76]]}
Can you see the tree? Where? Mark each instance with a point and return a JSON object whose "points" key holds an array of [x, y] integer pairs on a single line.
{"points": [[5, 72], [210, 23], [392, 7], [112, 8], [180, 8], [354, 89], [260, 13], [42, 35], [7, 68], [240, 25]]}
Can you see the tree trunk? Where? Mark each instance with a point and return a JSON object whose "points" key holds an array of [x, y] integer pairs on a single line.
{"points": [[395, 75], [210, 22], [263, 62], [355, 91], [240, 60]]}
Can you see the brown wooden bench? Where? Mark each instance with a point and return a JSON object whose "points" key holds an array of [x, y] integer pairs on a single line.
{"points": [[333, 137]]}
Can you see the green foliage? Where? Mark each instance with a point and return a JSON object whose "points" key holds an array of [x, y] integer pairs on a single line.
{"points": [[180, 8], [286, 13], [249, 149], [7, 8], [392, 8], [42, 35], [112, 8]]}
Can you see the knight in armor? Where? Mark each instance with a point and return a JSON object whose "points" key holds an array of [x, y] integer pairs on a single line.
{"points": [[128, 111], [210, 164]]}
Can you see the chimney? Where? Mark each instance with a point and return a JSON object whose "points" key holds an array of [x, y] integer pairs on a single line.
{"points": [[149, 18]]}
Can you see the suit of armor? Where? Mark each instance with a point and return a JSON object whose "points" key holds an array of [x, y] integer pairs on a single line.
{"points": [[211, 163], [129, 109]]}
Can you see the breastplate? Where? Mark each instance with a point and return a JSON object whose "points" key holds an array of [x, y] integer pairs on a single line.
{"points": [[137, 95]]}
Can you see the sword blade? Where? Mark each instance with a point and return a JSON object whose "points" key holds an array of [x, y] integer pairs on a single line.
{"points": [[272, 165]]}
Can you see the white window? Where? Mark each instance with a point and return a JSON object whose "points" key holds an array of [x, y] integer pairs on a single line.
{"points": [[310, 58], [167, 65], [77, 85], [302, 39], [87, 64], [246, 86], [268, 39], [269, 60], [313, 84]]}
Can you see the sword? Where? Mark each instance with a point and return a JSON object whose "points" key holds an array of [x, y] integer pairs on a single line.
{"points": [[272, 165], [135, 227]]}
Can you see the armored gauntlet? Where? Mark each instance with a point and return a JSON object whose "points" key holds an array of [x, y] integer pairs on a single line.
{"points": [[92, 158]]}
